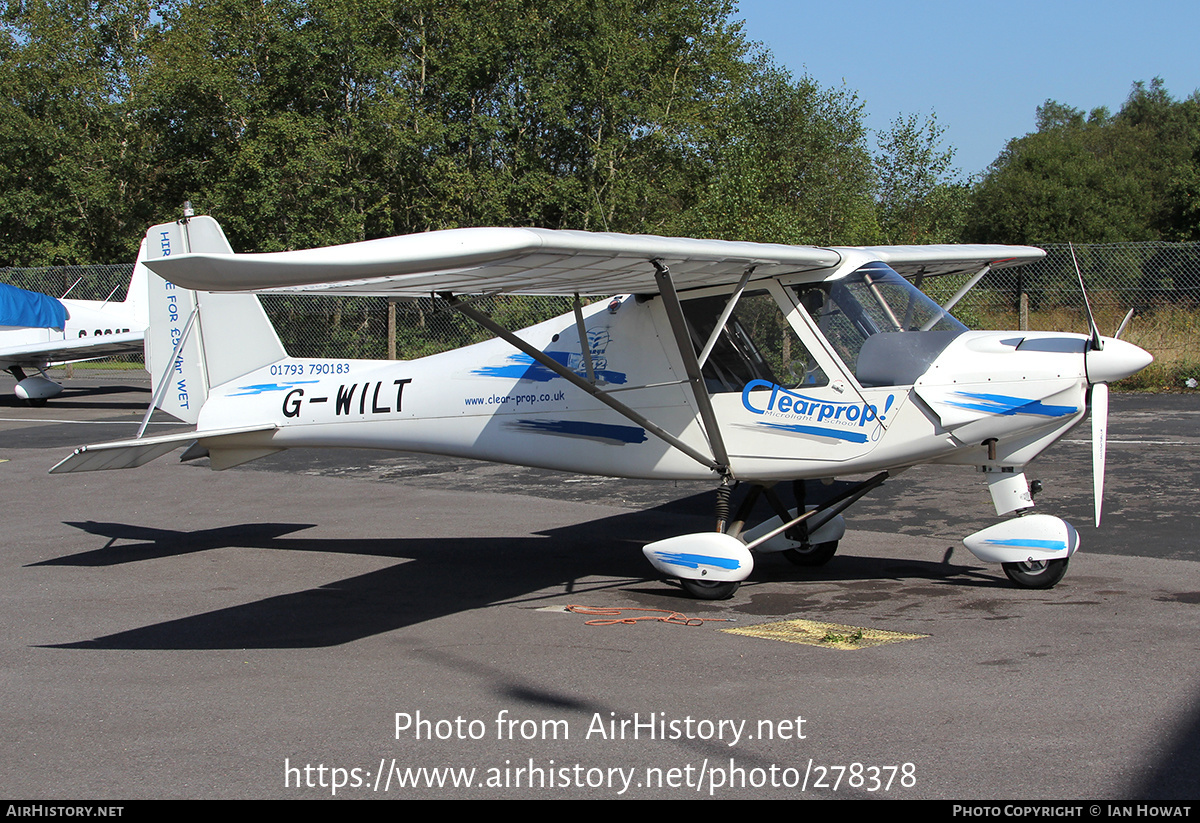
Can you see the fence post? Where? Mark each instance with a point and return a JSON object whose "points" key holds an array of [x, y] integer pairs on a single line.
{"points": [[1022, 302], [391, 332]]}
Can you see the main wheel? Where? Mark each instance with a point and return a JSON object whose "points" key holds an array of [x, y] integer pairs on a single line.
{"points": [[1036, 574], [709, 589], [817, 554]]}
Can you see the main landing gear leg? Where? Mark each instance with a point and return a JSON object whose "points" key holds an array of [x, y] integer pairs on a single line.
{"points": [[807, 553], [711, 565], [811, 534], [715, 589]]}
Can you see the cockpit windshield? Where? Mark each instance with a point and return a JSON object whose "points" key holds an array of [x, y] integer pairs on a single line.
{"points": [[873, 301]]}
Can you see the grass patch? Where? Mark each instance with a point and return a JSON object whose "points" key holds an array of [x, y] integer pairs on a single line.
{"points": [[99, 365]]}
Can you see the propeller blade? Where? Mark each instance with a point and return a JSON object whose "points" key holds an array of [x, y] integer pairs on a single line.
{"points": [[1099, 442], [1124, 323], [1097, 343]]}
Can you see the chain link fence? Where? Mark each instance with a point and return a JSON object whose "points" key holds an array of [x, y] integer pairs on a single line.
{"points": [[1159, 281]]}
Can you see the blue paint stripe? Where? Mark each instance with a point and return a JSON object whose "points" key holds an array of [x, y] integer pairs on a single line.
{"points": [[1029, 543], [695, 561], [524, 367], [259, 388], [1007, 405], [583, 428], [820, 431]]}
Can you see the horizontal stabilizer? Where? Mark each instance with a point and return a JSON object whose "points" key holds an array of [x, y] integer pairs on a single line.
{"points": [[128, 454]]}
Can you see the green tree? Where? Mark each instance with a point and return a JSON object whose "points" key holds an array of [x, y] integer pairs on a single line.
{"points": [[312, 122], [1100, 178], [70, 157], [785, 162], [330, 121], [279, 117], [921, 197]]}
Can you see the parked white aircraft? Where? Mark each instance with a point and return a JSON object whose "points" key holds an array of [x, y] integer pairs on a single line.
{"points": [[38, 331], [734, 362]]}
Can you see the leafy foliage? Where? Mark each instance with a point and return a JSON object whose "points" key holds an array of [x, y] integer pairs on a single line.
{"points": [[313, 123], [921, 196], [1100, 178], [68, 148], [786, 162]]}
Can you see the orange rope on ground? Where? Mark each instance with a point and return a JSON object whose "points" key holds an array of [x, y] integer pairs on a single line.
{"points": [[676, 618]]}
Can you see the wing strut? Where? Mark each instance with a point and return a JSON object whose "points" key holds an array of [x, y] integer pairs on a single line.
{"points": [[164, 383], [958, 295], [719, 328], [691, 365], [577, 381], [585, 345]]}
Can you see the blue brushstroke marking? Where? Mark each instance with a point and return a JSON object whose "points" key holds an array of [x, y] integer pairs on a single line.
{"points": [[695, 561], [819, 431], [1029, 543], [578, 428], [1002, 404], [524, 367], [259, 388]]}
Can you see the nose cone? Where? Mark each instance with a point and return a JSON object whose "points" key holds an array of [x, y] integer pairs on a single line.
{"points": [[1116, 360]]}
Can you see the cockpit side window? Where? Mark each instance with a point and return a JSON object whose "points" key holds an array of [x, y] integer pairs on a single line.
{"points": [[756, 343], [884, 329]]}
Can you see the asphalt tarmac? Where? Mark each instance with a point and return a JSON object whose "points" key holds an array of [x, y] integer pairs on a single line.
{"points": [[341, 623]]}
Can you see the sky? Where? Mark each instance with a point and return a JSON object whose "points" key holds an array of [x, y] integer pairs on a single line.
{"points": [[982, 67]]}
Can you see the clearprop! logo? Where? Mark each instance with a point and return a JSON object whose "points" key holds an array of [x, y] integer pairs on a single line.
{"points": [[840, 421]]}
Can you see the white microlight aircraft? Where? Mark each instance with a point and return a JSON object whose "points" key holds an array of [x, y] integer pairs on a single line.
{"points": [[732, 362], [38, 331]]}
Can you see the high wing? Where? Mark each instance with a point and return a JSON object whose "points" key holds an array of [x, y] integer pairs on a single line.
{"points": [[42, 354], [542, 262], [910, 261], [33, 332]]}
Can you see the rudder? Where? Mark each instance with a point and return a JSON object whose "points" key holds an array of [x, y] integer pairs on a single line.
{"points": [[229, 334]]}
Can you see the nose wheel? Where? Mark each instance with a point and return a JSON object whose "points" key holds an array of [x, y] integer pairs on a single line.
{"points": [[1036, 574]]}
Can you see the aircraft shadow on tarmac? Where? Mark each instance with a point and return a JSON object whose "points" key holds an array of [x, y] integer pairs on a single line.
{"points": [[86, 398], [439, 576]]}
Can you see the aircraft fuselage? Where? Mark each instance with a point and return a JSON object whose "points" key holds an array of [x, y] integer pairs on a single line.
{"points": [[489, 401]]}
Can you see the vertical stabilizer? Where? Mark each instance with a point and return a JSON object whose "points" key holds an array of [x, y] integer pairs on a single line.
{"points": [[137, 301], [224, 335]]}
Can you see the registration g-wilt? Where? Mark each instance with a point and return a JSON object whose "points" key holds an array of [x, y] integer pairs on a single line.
{"points": [[746, 364]]}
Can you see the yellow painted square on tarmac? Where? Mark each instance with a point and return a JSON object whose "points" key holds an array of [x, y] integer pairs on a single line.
{"points": [[829, 635]]}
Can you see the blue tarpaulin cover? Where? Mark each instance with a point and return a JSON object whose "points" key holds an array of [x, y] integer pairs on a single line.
{"points": [[27, 308]]}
